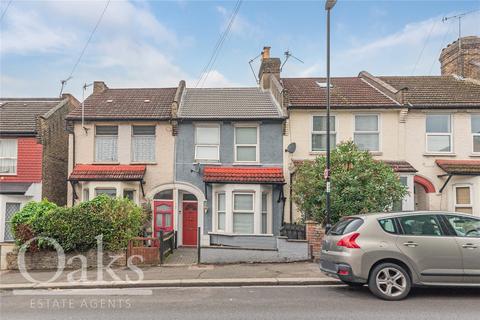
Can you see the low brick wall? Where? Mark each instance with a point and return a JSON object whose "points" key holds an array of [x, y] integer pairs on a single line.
{"points": [[48, 260], [315, 234]]}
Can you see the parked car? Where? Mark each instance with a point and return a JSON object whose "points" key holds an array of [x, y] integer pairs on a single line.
{"points": [[391, 252]]}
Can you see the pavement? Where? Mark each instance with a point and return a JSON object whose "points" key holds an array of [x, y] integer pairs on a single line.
{"points": [[219, 303], [266, 274]]}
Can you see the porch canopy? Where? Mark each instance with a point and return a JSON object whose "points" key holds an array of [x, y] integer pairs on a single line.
{"points": [[246, 175], [100, 172], [14, 188], [458, 168]]}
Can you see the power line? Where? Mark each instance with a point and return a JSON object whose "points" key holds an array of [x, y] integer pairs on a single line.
{"points": [[5, 10], [85, 47], [424, 45], [216, 50]]}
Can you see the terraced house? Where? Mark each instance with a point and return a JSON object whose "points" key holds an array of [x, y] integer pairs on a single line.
{"points": [[33, 154], [425, 127]]}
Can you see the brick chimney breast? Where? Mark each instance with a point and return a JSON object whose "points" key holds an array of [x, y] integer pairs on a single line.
{"points": [[268, 68], [462, 58], [99, 86]]}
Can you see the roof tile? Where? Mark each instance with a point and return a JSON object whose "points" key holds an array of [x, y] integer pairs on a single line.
{"points": [[467, 167], [100, 172], [243, 175]]}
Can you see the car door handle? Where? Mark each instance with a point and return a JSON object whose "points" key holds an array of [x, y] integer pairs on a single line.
{"points": [[410, 244], [469, 246]]}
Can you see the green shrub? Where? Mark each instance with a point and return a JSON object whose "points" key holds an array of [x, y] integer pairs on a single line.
{"points": [[118, 220]]}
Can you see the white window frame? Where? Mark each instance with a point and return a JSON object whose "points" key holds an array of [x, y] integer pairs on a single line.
{"points": [[312, 131], [428, 134], [252, 212], [257, 145], [95, 143], [205, 125], [11, 158], [474, 134], [85, 194], [378, 132], [217, 211], [457, 205], [139, 135]]}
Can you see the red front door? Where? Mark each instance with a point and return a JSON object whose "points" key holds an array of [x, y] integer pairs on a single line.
{"points": [[190, 223], [162, 216]]}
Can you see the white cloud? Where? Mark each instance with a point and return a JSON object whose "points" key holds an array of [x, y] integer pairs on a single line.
{"points": [[214, 79], [240, 26]]}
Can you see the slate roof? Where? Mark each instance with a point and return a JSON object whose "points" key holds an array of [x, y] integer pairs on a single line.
{"points": [[460, 167], [437, 91], [18, 115], [228, 103], [100, 172], [347, 92], [127, 104], [270, 175]]}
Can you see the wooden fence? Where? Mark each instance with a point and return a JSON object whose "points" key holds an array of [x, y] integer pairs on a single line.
{"points": [[153, 250]]}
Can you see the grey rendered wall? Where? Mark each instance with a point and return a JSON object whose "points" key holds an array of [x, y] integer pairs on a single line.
{"points": [[271, 154]]}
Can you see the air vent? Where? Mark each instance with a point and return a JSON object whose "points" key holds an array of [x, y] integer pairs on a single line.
{"points": [[323, 84], [109, 100], [146, 100]]}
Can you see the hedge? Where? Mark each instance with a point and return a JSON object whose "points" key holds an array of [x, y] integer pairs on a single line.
{"points": [[76, 228]]}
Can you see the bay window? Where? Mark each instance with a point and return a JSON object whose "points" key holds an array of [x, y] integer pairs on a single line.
{"points": [[463, 199], [476, 132], [246, 144], [319, 133], [243, 212], [439, 133], [111, 192], [143, 143], [207, 142], [106, 140], [8, 156], [264, 212], [367, 134]]}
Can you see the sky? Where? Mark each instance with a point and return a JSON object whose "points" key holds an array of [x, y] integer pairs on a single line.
{"points": [[159, 43]]}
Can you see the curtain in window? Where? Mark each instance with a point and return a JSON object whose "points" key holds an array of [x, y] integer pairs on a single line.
{"points": [[143, 148], [8, 156], [106, 148]]}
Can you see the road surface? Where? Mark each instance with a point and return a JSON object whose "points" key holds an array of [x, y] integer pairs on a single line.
{"points": [[315, 302]]}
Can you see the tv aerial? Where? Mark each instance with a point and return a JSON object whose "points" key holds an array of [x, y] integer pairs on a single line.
{"points": [[251, 67], [289, 55]]}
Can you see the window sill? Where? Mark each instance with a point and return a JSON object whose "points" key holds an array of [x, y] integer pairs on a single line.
{"points": [[376, 153], [145, 163], [9, 174], [106, 162], [474, 155], [231, 234], [209, 162], [439, 154], [246, 164]]}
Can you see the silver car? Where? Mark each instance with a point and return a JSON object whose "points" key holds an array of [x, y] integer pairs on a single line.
{"points": [[391, 252]]}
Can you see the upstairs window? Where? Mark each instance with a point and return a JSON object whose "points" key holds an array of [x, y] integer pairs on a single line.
{"points": [[476, 132], [143, 143], [8, 156], [207, 142], [246, 144], [439, 133], [106, 141], [319, 133], [367, 134]]}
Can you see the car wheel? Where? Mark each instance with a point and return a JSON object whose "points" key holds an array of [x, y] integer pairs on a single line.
{"points": [[389, 281], [353, 284]]}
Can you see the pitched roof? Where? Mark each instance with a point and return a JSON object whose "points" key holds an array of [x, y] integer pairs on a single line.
{"points": [[348, 92], [271, 175], [437, 91], [228, 103], [460, 167], [127, 104], [19, 115], [99, 172]]}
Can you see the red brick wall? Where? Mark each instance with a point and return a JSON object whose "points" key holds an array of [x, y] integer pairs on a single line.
{"points": [[315, 233], [29, 162]]}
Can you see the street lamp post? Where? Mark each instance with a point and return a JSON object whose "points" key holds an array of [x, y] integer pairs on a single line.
{"points": [[328, 6]]}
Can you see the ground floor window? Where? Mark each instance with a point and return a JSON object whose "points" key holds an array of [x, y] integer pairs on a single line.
{"points": [[10, 209], [129, 194], [111, 192], [242, 209], [407, 203], [463, 199]]}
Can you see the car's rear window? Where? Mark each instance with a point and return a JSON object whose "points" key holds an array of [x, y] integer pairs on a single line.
{"points": [[388, 225], [345, 226]]}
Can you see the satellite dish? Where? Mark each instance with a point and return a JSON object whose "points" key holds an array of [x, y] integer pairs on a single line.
{"points": [[291, 147]]}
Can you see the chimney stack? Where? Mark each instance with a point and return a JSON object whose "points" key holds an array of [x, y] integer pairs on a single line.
{"points": [[270, 67], [462, 58], [99, 86]]}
